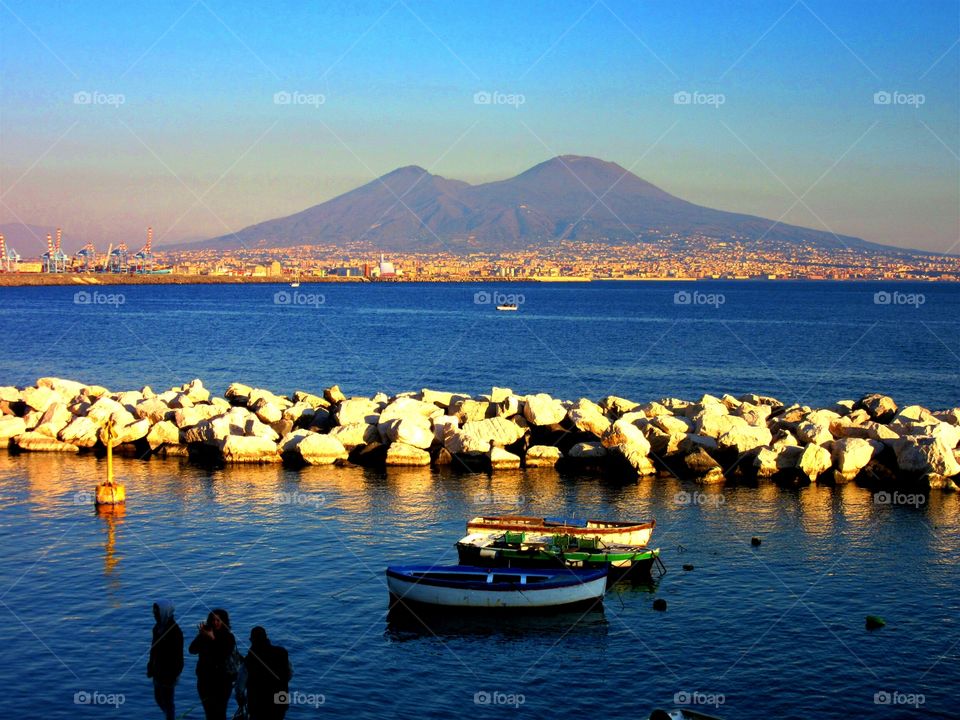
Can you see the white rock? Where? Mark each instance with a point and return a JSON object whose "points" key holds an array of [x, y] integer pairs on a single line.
{"points": [[54, 419], [163, 433], [745, 438], [851, 455], [500, 459], [355, 410], [152, 409], [814, 461], [542, 456], [497, 431], [622, 432], [240, 449], [40, 398], [542, 409], [11, 426], [926, 455], [355, 434], [401, 454], [414, 430], [314, 448], [38, 442]]}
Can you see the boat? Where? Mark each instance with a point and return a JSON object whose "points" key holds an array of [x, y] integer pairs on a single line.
{"points": [[635, 534], [471, 587], [519, 549], [296, 279], [507, 307]]}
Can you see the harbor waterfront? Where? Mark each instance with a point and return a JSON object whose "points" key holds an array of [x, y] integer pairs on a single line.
{"points": [[301, 548]]}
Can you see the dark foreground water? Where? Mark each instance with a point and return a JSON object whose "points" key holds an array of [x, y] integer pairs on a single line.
{"points": [[772, 631]]}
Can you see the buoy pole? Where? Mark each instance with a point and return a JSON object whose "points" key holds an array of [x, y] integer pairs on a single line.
{"points": [[108, 492]]}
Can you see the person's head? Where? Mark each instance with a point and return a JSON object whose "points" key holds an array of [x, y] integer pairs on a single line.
{"points": [[218, 620], [258, 637], [163, 611]]}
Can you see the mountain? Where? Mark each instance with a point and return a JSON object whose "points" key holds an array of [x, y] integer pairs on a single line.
{"points": [[568, 197]]}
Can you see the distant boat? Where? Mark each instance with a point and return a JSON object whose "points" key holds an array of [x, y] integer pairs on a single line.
{"points": [[296, 279], [612, 533], [468, 587], [507, 307], [512, 549]]}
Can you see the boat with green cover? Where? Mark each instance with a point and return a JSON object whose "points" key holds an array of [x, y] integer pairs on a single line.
{"points": [[520, 549]]}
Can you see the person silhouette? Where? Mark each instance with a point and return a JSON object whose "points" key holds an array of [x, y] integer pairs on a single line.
{"points": [[166, 657], [215, 645], [268, 677]]}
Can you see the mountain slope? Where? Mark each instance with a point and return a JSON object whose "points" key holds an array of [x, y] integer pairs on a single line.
{"points": [[568, 197]]}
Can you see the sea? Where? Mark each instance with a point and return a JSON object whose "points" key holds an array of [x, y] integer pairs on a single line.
{"points": [[750, 631]]}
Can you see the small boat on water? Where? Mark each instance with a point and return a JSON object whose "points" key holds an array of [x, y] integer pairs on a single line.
{"points": [[466, 586], [634, 534], [507, 307], [519, 549]]}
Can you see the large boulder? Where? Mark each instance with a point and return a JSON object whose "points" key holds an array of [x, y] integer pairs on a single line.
{"points": [[38, 442], [814, 432], [617, 406], [851, 455], [882, 408], [153, 409], [587, 451], [408, 407], [745, 438], [128, 433], [11, 426], [924, 455], [701, 464], [498, 431], [714, 424], [241, 449], [630, 455], [622, 432], [401, 454], [672, 424], [195, 391], [355, 434], [468, 410], [268, 411], [358, 410], [413, 430], [313, 448], [770, 462], [542, 409], [66, 389], [542, 456], [238, 393], [500, 459], [54, 419], [209, 432], [164, 432], [40, 398], [814, 461], [106, 408]]}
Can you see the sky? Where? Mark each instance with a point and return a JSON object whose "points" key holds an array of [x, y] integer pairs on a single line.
{"points": [[200, 117]]}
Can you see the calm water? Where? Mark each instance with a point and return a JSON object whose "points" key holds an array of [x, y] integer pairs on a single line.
{"points": [[776, 630]]}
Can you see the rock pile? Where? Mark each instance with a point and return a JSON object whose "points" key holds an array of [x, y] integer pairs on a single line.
{"points": [[711, 439]]}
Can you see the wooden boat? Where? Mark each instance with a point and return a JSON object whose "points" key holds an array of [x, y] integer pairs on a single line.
{"points": [[466, 586], [513, 549], [507, 307], [613, 533]]}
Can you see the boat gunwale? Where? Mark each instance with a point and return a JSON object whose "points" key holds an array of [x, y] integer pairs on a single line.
{"points": [[568, 577]]}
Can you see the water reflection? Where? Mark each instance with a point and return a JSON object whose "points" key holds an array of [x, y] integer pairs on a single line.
{"points": [[404, 624], [113, 518]]}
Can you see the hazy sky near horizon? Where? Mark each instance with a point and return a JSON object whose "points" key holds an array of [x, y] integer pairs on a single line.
{"points": [[115, 116]]}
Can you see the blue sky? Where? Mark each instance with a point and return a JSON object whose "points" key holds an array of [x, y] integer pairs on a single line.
{"points": [[182, 130]]}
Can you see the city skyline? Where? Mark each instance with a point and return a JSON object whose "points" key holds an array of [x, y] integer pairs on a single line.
{"points": [[204, 118]]}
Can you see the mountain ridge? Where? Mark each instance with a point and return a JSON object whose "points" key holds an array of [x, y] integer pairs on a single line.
{"points": [[567, 197]]}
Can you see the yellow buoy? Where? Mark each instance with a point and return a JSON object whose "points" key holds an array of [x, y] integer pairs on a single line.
{"points": [[109, 492]]}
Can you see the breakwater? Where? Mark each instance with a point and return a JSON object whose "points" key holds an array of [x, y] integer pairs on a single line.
{"points": [[709, 440]]}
